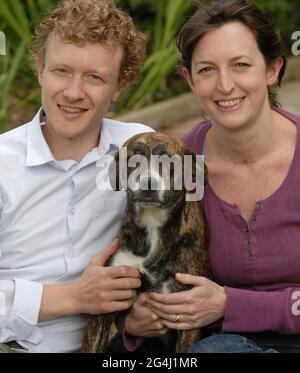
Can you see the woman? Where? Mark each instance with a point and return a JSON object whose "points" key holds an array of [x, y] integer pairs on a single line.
{"points": [[232, 60]]}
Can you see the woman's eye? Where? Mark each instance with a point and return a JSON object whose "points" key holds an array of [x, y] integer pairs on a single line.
{"points": [[242, 64], [205, 70]]}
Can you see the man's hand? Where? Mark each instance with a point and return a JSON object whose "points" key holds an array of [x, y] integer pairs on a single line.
{"points": [[142, 321], [107, 289], [99, 290]]}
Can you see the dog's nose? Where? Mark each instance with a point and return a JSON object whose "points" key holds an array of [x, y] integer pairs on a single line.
{"points": [[149, 183]]}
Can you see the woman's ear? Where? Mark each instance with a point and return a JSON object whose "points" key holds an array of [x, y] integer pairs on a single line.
{"points": [[188, 77], [273, 70]]}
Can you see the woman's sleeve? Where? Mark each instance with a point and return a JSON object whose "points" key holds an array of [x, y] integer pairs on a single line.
{"points": [[256, 311]]}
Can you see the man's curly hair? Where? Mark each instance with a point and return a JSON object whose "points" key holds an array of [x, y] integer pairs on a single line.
{"points": [[93, 21]]}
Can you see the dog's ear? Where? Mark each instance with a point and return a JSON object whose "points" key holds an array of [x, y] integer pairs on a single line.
{"points": [[188, 151], [205, 174], [113, 173]]}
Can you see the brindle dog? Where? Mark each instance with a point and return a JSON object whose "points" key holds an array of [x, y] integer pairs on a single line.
{"points": [[162, 234]]}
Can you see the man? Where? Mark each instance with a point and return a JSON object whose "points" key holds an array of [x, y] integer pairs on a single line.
{"points": [[56, 222]]}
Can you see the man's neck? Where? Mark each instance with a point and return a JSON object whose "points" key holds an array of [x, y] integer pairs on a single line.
{"points": [[70, 148]]}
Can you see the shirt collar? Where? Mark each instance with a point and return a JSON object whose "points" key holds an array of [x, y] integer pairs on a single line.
{"points": [[38, 151]]}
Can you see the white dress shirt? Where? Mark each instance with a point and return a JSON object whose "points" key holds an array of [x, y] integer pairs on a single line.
{"points": [[53, 218]]}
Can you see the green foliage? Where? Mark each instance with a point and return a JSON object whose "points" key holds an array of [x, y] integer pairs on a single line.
{"points": [[16, 78], [161, 19], [285, 15], [163, 56]]}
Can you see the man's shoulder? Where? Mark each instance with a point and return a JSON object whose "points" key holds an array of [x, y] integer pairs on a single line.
{"points": [[122, 131], [14, 137]]}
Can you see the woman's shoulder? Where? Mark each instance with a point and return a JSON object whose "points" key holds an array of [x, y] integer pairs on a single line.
{"points": [[194, 139], [291, 116]]}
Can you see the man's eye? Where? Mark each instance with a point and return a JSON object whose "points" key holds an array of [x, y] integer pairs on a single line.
{"points": [[94, 78], [60, 71]]}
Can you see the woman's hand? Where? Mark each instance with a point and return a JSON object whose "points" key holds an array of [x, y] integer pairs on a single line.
{"points": [[194, 308], [142, 321]]}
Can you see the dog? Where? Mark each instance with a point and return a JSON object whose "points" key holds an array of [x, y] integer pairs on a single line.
{"points": [[162, 234]]}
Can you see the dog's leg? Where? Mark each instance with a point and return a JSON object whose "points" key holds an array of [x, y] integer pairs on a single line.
{"points": [[97, 333], [187, 339]]}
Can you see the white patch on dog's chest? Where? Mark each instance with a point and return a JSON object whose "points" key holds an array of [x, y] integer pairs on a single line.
{"points": [[128, 259], [153, 218]]}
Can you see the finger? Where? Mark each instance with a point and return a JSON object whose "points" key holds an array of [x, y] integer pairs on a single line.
{"points": [[172, 298], [101, 258], [143, 299], [123, 271], [170, 315], [125, 283], [177, 325], [187, 279], [123, 295], [116, 306]]}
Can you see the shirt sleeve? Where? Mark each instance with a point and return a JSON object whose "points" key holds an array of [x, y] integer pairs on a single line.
{"points": [[1, 203], [19, 318], [257, 311], [130, 342]]}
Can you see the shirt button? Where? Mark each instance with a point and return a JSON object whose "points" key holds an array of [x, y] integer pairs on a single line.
{"points": [[72, 211], [249, 242], [258, 205], [249, 253], [70, 253]]}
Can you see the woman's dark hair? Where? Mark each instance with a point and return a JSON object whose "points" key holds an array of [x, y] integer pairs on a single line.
{"points": [[209, 17]]}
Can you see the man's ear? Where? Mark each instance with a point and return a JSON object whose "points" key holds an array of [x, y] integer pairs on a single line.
{"points": [[116, 95], [39, 66], [188, 77], [273, 71]]}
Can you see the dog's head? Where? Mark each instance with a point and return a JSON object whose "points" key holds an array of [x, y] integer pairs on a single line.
{"points": [[153, 169]]}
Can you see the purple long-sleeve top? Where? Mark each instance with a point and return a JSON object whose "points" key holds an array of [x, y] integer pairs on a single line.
{"points": [[257, 261]]}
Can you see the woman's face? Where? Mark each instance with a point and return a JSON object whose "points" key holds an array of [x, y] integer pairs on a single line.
{"points": [[229, 76]]}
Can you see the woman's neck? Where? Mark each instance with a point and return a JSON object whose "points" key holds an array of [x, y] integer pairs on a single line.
{"points": [[245, 145]]}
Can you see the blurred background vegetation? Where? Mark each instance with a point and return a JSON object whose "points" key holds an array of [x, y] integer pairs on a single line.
{"points": [[160, 19]]}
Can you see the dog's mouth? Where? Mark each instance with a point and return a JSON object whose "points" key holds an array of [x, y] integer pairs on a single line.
{"points": [[146, 204], [144, 201]]}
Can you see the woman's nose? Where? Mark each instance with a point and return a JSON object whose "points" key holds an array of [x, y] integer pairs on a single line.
{"points": [[226, 82]]}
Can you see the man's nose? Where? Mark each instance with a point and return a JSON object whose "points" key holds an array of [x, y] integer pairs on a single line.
{"points": [[74, 90], [226, 82]]}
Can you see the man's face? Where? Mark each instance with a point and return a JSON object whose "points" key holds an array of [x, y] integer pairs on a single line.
{"points": [[78, 85]]}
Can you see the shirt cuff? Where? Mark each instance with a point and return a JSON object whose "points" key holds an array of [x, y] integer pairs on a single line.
{"points": [[253, 311], [23, 316], [130, 342]]}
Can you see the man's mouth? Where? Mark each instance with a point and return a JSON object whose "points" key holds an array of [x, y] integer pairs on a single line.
{"points": [[226, 104], [71, 109]]}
